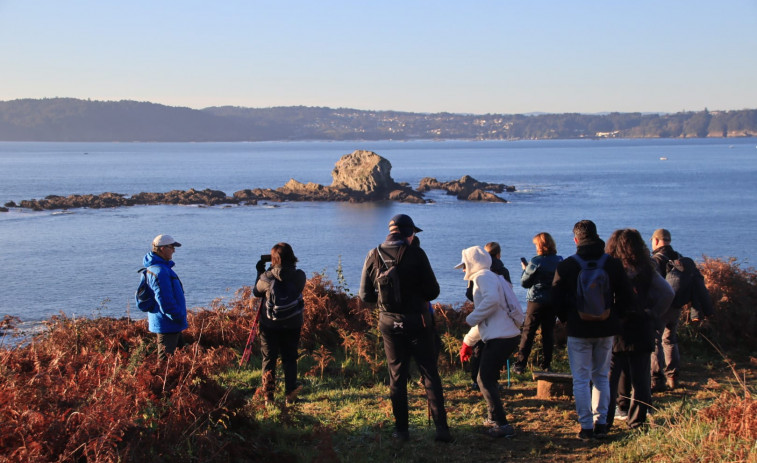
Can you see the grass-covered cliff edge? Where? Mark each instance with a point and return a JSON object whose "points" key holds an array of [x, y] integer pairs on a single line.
{"points": [[90, 390], [70, 119]]}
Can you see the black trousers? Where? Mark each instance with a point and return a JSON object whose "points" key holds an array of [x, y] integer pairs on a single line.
{"points": [[169, 342], [405, 337], [630, 386], [275, 342], [475, 360], [537, 315], [494, 355]]}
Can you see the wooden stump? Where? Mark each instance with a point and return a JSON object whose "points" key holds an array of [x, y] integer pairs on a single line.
{"points": [[550, 385]]}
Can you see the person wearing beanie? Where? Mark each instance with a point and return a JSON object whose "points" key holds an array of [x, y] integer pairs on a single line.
{"points": [[399, 279], [590, 341], [168, 317]]}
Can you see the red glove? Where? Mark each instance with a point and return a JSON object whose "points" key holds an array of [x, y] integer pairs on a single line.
{"points": [[465, 352]]}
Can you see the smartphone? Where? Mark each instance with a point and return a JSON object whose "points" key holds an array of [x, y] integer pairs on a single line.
{"points": [[265, 257], [523, 259]]}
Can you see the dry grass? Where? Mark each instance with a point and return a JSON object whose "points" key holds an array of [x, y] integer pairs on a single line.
{"points": [[92, 390]]}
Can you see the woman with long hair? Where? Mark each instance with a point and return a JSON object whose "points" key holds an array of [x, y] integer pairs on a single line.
{"points": [[537, 278], [630, 378], [281, 318]]}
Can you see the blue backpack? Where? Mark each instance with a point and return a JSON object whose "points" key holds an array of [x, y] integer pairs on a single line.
{"points": [[593, 295], [145, 296]]}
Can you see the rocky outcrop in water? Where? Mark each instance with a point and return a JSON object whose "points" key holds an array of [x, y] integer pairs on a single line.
{"points": [[467, 188], [360, 176], [189, 197], [357, 177]]}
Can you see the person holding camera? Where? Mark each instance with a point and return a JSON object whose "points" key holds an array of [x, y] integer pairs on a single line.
{"points": [[281, 318]]}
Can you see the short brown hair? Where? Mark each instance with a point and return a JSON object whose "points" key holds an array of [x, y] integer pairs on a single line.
{"points": [[493, 248], [585, 230], [545, 244], [282, 254]]}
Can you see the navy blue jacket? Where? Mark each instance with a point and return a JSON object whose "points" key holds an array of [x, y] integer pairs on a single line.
{"points": [[537, 277]]}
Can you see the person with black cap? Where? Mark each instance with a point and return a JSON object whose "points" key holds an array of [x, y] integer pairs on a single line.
{"points": [[169, 317], [399, 278]]}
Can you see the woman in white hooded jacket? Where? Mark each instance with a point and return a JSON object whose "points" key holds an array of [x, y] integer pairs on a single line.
{"points": [[496, 320]]}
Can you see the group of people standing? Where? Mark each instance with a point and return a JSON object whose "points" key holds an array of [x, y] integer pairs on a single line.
{"points": [[615, 355]]}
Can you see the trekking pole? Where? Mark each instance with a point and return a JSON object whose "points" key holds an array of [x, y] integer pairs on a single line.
{"points": [[508, 373], [253, 333]]}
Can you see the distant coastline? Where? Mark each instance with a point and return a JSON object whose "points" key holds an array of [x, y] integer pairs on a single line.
{"points": [[75, 120]]}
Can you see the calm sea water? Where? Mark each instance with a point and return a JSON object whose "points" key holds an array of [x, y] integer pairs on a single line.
{"points": [[83, 262]]}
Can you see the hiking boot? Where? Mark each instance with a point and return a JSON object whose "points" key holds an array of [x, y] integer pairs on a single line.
{"points": [[291, 396], [671, 383], [490, 423], [621, 414], [474, 387], [586, 434], [402, 436], [600, 431], [443, 435], [504, 430]]}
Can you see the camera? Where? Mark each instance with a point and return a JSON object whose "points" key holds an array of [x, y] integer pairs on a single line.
{"points": [[265, 257], [523, 259]]}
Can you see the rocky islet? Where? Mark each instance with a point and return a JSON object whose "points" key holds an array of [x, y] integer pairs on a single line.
{"points": [[360, 176]]}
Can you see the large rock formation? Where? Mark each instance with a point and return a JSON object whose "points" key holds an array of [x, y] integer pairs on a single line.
{"points": [[357, 177], [364, 171]]}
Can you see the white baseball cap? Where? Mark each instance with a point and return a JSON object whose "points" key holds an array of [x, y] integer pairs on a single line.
{"points": [[165, 240]]}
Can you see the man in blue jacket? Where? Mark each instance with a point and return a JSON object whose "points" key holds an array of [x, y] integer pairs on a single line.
{"points": [[168, 318]]}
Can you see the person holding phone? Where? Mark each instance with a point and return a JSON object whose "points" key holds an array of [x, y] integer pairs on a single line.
{"points": [[281, 318], [537, 278]]}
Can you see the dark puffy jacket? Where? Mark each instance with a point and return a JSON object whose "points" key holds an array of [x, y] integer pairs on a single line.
{"points": [[537, 277], [652, 297], [263, 287], [418, 283], [701, 302], [564, 293]]}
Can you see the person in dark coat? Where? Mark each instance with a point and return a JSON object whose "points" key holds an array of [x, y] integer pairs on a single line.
{"points": [[590, 341], [280, 337], [406, 324], [629, 366]]}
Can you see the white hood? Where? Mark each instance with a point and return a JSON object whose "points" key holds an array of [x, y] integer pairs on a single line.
{"points": [[475, 259]]}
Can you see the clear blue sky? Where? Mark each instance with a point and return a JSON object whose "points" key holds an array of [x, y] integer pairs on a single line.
{"points": [[424, 56]]}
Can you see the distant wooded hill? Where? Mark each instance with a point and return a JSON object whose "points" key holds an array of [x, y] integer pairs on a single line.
{"points": [[67, 119]]}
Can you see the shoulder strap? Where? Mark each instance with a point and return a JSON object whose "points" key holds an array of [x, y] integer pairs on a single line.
{"points": [[400, 253]]}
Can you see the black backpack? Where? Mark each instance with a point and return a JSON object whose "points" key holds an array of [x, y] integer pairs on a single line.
{"points": [[593, 295], [388, 280], [284, 300], [680, 274], [145, 296]]}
